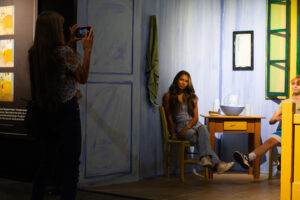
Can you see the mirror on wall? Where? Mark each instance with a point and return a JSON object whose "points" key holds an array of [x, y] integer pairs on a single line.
{"points": [[243, 50]]}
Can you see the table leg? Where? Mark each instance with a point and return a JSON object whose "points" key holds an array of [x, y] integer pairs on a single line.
{"points": [[250, 148], [212, 131], [256, 144]]}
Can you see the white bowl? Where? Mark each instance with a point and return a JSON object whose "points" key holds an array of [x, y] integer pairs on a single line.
{"points": [[232, 110]]}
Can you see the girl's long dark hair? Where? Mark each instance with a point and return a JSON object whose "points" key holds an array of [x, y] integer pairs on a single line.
{"points": [[45, 64], [188, 96]]}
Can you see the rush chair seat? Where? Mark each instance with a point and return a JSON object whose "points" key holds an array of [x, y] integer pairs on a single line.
{"points": [[183, 146], [274, 160]]}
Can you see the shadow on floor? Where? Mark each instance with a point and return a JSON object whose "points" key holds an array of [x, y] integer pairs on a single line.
{"points": [[17, 190]]}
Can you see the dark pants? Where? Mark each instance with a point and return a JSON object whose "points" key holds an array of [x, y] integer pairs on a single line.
{"points": [[60, 136]]}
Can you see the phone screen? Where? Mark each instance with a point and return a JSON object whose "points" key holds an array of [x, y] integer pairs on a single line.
{"points": [[81, 31]]}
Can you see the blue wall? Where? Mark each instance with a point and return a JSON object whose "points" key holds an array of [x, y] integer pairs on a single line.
{"points": [[194, 35], [249, 85]]}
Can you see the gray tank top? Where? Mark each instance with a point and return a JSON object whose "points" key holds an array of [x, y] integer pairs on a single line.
{"points": [[182, 116]]}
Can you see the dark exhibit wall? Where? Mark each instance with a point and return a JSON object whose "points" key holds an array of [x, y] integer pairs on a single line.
{"points": [[17, 18], [19, 152], [67, 8], [16, 148], [16, 36]]}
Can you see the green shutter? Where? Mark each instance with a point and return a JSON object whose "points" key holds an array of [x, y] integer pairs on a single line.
{"points": [[278, 48]]}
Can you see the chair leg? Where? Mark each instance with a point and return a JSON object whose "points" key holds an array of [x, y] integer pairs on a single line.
{"points": [[181, 162], [270, 164], [210, 174], [206, 173]]}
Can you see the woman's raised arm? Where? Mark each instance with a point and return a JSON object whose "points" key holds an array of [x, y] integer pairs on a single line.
{"points": [[82, 72]]}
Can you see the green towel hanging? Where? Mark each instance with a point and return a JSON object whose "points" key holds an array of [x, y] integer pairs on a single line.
{"points": [[152, 62]]}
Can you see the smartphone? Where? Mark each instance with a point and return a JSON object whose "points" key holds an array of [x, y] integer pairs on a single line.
{"points": [[80, 31]]}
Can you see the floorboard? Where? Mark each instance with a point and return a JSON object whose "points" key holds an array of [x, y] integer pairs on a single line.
{"points": [[223, 187]]}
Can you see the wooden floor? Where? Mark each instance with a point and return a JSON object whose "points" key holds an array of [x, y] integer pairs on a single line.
{"points": [[223, 187], [19, 190]]}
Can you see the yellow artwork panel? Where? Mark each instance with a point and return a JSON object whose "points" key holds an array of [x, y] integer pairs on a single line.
{"points": [[7, 53], [7, 20], [6, 87]]}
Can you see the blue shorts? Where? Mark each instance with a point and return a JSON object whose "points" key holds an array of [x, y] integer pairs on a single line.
{"points": [[277, 135], [278, 132]]}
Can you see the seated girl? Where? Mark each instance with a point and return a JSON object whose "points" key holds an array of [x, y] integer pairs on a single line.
{"points": [[181, 108]]}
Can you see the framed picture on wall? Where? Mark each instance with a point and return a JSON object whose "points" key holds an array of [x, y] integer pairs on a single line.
{"points": [[242, 50], [7, 16]]}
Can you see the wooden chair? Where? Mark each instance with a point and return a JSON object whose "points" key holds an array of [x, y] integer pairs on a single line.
{"points": [[273, 161], [290, 153], [183, 150]]}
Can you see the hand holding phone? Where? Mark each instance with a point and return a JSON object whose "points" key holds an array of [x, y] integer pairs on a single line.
{"points": [[87, 41], [80, 31]]}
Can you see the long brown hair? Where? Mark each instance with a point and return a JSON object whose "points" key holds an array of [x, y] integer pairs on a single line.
{"points": [[188, 96], [45, 64]]}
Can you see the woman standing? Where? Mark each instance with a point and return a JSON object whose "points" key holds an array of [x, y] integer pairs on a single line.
{"points": [[181, 108], [55, 71]]}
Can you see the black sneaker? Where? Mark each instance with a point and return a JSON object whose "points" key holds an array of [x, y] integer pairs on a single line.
{"points": [[242, 159]]}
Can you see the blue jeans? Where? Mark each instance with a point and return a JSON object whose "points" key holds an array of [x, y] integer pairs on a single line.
{"points": [[198, 135], [60, 138]]}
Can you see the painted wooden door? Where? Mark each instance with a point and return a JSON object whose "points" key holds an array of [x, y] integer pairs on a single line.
{"points": [[110, 105]]}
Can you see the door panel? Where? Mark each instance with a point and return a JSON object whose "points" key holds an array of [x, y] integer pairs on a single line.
{"points": [[109, 119], [112, 23]]}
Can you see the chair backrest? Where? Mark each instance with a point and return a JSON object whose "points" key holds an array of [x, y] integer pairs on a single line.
{"points": [[290, 156], [164, 123]]}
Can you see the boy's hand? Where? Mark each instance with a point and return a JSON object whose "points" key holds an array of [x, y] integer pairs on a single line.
{"points": [[276, 117]]}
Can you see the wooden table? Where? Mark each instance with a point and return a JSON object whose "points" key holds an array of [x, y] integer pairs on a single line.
{"points": [[236, 124]]}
